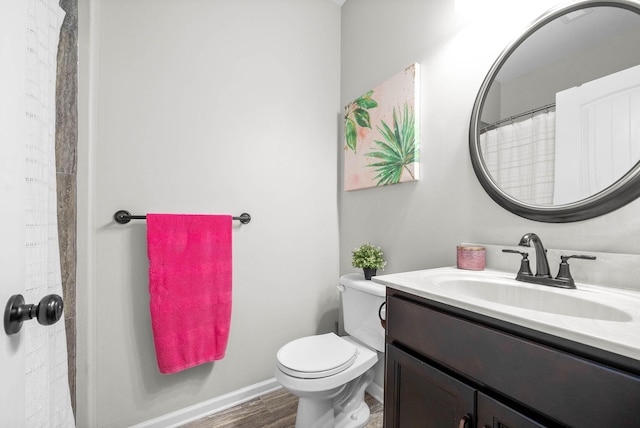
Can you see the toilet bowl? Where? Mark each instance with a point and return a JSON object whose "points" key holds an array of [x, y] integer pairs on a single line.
{"points": [[330, 373], [329, 395]]}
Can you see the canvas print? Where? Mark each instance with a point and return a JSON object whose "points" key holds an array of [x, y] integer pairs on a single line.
{"points": [[381, 134]]}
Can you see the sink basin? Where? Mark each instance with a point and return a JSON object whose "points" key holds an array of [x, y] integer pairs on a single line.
{"points": [[513, 293], [598, 316]]}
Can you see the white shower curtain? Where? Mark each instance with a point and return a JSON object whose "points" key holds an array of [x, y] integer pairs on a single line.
{"points": [[47, 401], [520, 157]]}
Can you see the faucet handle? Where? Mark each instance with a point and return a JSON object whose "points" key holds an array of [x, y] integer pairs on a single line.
{"points": [[577, 256], [564, 273], [525, 268]]}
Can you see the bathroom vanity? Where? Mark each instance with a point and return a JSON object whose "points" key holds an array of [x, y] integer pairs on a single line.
{"points": [[450, 365], [480, 349]]}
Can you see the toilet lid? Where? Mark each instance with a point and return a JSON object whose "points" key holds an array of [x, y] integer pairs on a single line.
{"points": [[316, 356]]}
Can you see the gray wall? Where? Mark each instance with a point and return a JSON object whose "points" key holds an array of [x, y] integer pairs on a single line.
{"points": [[200, 106], [615, 55], [212, 106], [419, 224]]}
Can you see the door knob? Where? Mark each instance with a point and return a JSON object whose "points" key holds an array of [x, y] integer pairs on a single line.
{"points": [[47, 312]]}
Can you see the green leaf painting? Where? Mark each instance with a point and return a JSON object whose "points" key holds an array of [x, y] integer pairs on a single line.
{"points": [[356, 114], [398, 150], [381, 134]]}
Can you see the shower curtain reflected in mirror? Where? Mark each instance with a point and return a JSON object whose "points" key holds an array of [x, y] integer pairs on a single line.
{"points": [[520, 157]]}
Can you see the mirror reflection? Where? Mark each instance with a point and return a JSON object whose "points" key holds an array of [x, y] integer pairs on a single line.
{"points": [[560, 120]]}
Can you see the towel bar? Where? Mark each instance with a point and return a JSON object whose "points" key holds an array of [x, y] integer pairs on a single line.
{"points": [[124, 217]]}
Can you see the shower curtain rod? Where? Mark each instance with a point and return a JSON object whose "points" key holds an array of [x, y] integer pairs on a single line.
{"points": [[124, 217], [517, 116]]}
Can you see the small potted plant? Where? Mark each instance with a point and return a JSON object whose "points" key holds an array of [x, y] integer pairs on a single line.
{"points": [[369, 258]]}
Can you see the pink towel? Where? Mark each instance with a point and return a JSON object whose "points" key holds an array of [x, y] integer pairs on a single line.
{"points": [[190, 288]]}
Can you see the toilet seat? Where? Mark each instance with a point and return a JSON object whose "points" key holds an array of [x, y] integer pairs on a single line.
{"points": [[315, 357]]}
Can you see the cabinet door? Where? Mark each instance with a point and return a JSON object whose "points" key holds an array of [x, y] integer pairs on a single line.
{"points": [[493, 414], [418, 395]]}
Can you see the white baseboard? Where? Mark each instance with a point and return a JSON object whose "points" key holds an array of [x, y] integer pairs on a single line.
{"points": [[232, 399], [209, 407]]}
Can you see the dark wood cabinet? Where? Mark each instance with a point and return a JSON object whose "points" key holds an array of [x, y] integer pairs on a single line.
{"points": [[444, 369], [424, 396], [492, 413]]}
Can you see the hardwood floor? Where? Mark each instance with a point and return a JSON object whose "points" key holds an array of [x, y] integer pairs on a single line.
{"points": [[274, 410]]}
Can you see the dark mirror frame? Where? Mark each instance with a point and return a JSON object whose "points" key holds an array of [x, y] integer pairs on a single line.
{"points": [[625, 190]]}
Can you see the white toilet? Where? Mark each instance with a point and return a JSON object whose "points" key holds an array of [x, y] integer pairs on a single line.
{"points": [[330, 373]]}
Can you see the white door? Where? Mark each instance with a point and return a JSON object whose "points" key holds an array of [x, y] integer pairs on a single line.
{"points": [[12, 197], [597, 134]]}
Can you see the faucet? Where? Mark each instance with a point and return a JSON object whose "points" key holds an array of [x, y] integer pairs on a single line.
{"points": [[542, 264], [543, 276]]}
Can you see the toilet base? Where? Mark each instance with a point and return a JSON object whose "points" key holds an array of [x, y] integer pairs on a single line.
{"points": [[351, 411], [355, 419], [314, 413], [343, 407]]}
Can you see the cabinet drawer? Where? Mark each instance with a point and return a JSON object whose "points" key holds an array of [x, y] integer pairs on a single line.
{"points": [[564, 387]]}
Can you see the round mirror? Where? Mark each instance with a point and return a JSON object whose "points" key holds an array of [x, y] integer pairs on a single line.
{"points": [[555, 129]]}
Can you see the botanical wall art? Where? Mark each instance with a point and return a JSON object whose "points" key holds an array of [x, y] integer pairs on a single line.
{"points": [[381, 134]]}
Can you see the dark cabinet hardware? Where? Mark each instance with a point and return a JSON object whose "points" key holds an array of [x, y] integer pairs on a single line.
{"points": [[464, 421]]}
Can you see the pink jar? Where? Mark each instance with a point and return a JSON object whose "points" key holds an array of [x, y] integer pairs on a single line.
{"points": [[471, 257]]}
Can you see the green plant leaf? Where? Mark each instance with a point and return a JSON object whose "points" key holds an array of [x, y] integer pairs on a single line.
{"points": [[350, 134], [362, 117], [366, 101], [368, 256], [398, 151], [356, 114]]}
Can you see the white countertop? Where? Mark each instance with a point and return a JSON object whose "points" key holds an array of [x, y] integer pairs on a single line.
{"points": [[621, 336]]}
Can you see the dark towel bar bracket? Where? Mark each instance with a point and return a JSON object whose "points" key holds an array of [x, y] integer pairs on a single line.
{"points": [[124, 217]]}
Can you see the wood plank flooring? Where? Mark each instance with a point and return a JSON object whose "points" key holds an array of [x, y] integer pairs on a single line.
{"points": [[274, 410]]}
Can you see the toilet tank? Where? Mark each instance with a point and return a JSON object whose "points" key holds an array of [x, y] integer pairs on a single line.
{"points": [[361, 301]]}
